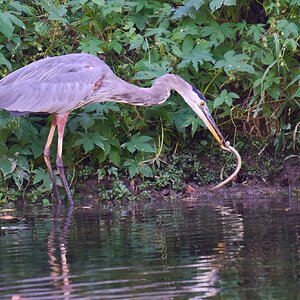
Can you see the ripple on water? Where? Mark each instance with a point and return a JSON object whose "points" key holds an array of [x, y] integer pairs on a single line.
{"points": [[232, 249]]}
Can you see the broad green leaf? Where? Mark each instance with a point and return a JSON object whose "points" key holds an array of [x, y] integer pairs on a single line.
{"points": [[7, 165], [225, 97], [18, 176], [144, 147], [288, 28], [234, 62], [157, 32], [188, 45], [21, 7], [189, 8], [6, 26], [16, 21], [133, 167], [256, 31], [133, 170], [57, 13], [90, 140], [4, 61], [90, 45], [154, 70], [116, 46], [136, 42], [200, 54], [218, 32], [216, 4], [22, 163], [41, 28], [3, 149], [139, 142], [140, 21], [42, 176], [146, 171], [183, 11], [86, 121], [114, 157], [194, 122]]}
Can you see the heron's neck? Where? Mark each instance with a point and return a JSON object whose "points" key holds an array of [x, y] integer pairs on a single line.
{"points": [[157, 94]]}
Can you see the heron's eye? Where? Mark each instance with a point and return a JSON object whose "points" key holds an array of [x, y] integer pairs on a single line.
{"points": [[202, 103]]}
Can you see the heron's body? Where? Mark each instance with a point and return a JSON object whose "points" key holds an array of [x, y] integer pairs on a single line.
{"points": [[58, 85], [63, 83]]}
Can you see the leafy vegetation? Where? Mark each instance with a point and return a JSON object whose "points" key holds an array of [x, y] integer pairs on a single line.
{"points": [[243, 55]]}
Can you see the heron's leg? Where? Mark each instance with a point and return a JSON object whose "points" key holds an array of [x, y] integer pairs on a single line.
{"points": [[47, 158], [61, 123]]}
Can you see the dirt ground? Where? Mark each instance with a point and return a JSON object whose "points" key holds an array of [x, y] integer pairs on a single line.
{"points": [[286, 182]]}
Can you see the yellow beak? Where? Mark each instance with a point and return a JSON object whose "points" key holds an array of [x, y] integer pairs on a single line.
{"points": [[204, 114]]}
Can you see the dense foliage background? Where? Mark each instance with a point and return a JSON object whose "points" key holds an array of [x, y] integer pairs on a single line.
{"points": [[243, 55]]}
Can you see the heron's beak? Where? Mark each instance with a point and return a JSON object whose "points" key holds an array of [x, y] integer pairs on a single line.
{"points": [[204, 114]]}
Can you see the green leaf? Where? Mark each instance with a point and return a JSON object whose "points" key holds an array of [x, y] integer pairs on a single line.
{"points": [[133, 167], [17, 21], [89, 140], [146, 171], [6, 26], [288, 28], [3, 148], [46, 202], [234, 62], [140, 21], [57, 13], [143, 147], [7, 165], [18, 176], [256, 31], [116, 46], [195, 122], [21, 8], [156, 31], [297, 93], [200, 54], [90, 45], [136, 42], [139, 142], [188, 9], [216, 4], [42, 176], [22, 163], [218, 32], [154, 70], [114, 157], [225, 97], [4, 61]]}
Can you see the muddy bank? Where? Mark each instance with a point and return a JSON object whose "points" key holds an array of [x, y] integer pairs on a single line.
{"points": [[284, 182]]}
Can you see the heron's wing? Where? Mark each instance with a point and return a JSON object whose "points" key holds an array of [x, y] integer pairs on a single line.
{"points": [[56, 84]]}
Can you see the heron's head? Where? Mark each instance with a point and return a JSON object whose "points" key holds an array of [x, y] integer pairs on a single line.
{"points": [[198, 103]]}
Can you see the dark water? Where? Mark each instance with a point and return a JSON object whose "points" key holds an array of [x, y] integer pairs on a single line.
{"points": [[239, 249]]}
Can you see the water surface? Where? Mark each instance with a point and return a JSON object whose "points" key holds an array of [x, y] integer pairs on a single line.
{"points": [[184, 249]]}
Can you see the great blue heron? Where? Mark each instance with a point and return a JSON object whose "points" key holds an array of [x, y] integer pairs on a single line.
{"points": [[58, 85]]}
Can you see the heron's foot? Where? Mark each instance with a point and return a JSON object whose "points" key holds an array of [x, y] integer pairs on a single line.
{"points": [[50, 171], [61, 172]]}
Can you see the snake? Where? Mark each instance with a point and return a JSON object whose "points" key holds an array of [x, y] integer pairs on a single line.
{"points": [[232, 150]]}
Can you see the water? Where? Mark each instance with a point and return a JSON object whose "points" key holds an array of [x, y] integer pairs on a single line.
{"points": [[188, 249]]}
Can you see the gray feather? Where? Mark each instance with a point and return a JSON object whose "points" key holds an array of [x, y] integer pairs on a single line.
{"points": [[54, 85]]}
